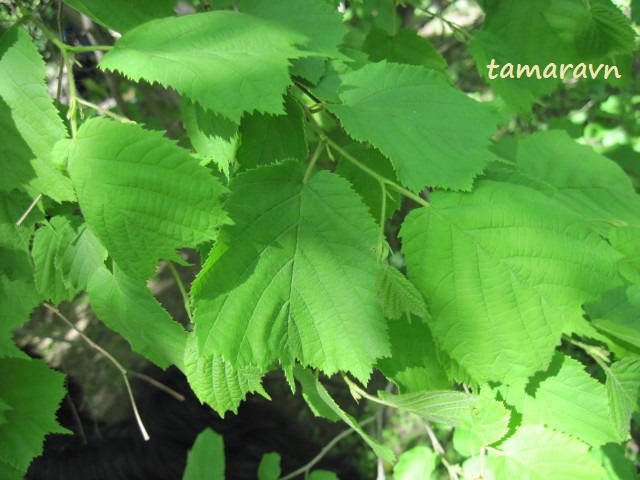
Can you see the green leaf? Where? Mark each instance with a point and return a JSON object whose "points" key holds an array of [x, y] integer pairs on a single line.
{"points": [[142, 195], [510, 273], [308, 381], [29, 123], [623, 389], [406, 47], [367, 186], [418, 463], [205, 460], [34, 392], [272, 138], [269, 468], [123, 15], [604, 31], [488, 423], [213, 137], [79, 256], [538, 453], [4, 408], [317, 21], [127, 306], [413, 364], [17, 299], [12, 206], [216, 382], [321, 395], [392, 106], [618, 467], [568, 399], [297, 269], [616, 314], [447, 407], [397, 295], [322, 475], [48, 244], [228, 62]]}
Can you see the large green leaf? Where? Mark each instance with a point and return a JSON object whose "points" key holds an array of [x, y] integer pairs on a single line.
{"points": [[227, 62], [538, 453], [30, 123], [568, 399], [216, 382], [504, 270], [623, 390], [298, 269], [488, 424], [128, 307], [34, 392], [206, 458], [604, 30], [142, 195], [433, 134], [123, 15]]}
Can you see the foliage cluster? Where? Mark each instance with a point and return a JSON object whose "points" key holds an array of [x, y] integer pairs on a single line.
{"points": [[355, 212]]}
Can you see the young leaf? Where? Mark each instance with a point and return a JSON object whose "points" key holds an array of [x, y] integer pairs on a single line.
{"points": [[206, 458], [397, 295], [568, 399], [446, 407], [298, 268], [272, 138], [488, 423], [228, 62], [406, 47], [510, 273], [34, 392], [419, 463], [433, 134], [127, 306], [123, 15], [269, 468], [216, 382], [29, 123], [535, 452], [142, 195], [623, 390], [79, 257], [308, 381]]}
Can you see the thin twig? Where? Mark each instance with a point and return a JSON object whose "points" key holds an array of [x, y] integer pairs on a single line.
{"points": [[306, 468], [107, 355], [28, 210], [158, 385]]}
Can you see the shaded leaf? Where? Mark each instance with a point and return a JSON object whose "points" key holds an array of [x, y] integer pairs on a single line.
{"points": [[269, 468], [123, 15], [34, 392], [406, 46], [127, 306]]}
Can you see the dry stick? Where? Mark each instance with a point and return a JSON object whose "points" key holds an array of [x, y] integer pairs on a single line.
{"points": [[117, 364], [28, 210], [325, 450], [437, 446]]}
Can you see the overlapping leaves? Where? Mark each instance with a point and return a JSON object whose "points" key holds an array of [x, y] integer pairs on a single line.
{"points": [[295, 268]]}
